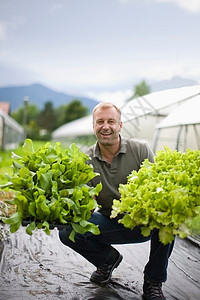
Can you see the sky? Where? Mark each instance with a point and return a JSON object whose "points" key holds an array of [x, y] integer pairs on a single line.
{"points": [[98, 48]]}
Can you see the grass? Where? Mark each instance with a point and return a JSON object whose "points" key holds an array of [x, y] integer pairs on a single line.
{"points": [[6, 159]]}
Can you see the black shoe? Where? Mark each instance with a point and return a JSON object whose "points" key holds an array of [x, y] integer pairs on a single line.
{"points": [[152, 290], [103, 273]]}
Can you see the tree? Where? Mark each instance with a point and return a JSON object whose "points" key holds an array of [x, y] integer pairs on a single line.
{"points": [[141, 89], [31, 127], [33, 130], [75, 110], [32, 114], [60, 115], [46, 118], [40, 124]]}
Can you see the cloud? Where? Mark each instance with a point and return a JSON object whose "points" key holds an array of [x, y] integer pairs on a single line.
{"points": [[117, 97], [81, 75], [55, 7], [3, 27], [190, 5], [8, 28], [11, 74]]}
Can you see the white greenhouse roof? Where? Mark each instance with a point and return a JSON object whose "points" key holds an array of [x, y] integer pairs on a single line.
{"points": [[137, 107], [154, 102], [82, 126], [187, 113]]}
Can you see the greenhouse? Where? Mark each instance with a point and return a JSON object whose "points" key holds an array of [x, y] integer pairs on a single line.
{"points": [[141, 118], [183, 125], [11, 133]]}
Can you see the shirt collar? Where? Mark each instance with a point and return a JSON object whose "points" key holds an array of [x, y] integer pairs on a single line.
{"points": [[122, 149]]}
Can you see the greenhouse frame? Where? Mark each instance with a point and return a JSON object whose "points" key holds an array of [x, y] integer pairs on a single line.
{"points": [[11, 133]]}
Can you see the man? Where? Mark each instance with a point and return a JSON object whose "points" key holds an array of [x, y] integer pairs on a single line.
{"points": [[114, 158]]}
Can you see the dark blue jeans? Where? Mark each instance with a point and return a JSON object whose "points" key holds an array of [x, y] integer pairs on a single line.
{"points": [[96, 248]]}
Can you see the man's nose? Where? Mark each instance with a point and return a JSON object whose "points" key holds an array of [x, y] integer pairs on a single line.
{"points": [[105, 125]]}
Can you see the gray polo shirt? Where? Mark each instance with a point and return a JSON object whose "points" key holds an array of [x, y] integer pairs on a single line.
{"points": [[131, 154]]}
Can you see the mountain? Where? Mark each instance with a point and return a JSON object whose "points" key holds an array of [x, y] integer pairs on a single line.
{"points": [[174, 82], [39, 95]]}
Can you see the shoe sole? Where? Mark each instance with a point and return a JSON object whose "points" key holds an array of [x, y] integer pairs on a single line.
{"points": [[115, 265], [145, 297]]}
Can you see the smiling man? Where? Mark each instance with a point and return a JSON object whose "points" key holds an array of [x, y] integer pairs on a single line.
{"points": [[114, 158], [107, 126]]}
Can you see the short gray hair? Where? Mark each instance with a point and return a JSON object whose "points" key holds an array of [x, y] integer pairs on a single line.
{"points": [[105, 105]]}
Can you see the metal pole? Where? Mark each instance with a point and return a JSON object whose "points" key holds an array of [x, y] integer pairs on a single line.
{"points": [[26, 99]]}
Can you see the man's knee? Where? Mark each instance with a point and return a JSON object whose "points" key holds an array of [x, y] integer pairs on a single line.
{"points": [[64, 236]]}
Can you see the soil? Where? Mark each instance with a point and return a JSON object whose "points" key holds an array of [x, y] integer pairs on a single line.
{"points": [[41, 267]]}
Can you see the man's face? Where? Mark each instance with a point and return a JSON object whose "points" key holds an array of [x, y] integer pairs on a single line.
{"points": [[107, 125]]}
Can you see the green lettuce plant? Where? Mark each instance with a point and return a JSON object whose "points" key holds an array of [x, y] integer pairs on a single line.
{"points": [[51, 188], [163, 195]]}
